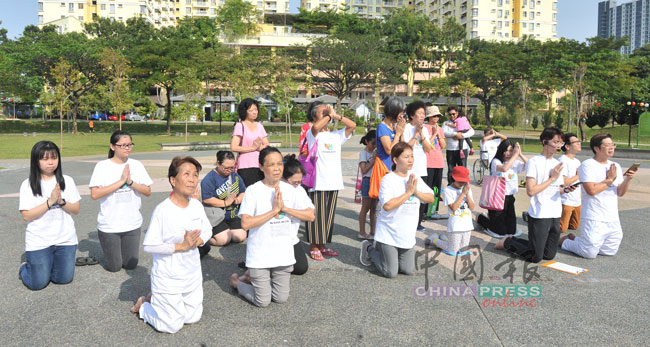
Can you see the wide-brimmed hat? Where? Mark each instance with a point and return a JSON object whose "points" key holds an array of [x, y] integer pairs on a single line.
{"points": [[433, 111], [460, 174]]}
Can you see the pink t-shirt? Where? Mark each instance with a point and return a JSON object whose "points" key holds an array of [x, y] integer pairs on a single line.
{"points": [[434, 156], [462, 124], [250, 159]]}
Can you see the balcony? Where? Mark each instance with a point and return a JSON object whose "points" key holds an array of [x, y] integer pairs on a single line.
{"points": [[201, 4], [201, 13]]}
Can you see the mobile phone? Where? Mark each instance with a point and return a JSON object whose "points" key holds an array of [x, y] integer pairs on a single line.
{"points": [[634, 167], [576, 184]]}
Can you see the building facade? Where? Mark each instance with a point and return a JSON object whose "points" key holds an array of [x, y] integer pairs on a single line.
{"points": [[363, 8], [496, 19], [630, 20], [160, 13]]}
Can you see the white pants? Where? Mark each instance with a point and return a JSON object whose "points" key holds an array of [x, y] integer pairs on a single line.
{"points": [[168, 312], [595, 238]]}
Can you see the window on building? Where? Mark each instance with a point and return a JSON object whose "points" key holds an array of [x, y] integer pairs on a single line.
{"points": [[507, 23], [532, 4], [119, 5], [63, 4], [143, 9], [213, 2], [40, 19], [378, 9], [499, 24], [473, 34], [474, 23], [525, 14], [112, 8], [500, 34], [213, 11], [102, 7], [475, 12], [531, 26], [500, 2], [493, 10], [119, 18], [555, 5], [81, 18], [62, 16], [260, 4], [474, 2], [81, 6], [71, 7], [500, 14], [532, 15], [188, 10], [400, 2], [188, 2], [524, 3], [507, 13], [507, 34], [308, 6], [40, 6]]}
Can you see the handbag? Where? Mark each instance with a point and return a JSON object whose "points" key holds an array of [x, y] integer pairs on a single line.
{"points": [[379, 170], [493, 194], [309, 163], [241, 141], [215, 215], [357, 188]]}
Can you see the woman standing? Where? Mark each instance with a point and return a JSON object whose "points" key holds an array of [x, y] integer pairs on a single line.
{"points": [[390, 130], [224, 188], [178, 226], [267, 212], [367, 158], [435, 162], [119, 182], [400, 196], [508, 162], [329, 176], [47, 201], [248, 139], [418, 137]]}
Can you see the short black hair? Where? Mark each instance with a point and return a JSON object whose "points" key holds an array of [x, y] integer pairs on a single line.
{"points": [[177, 162], [372, 134], [292, 166], [266, 151], [117, 134], [549, 133], [452, 108], [223, 155], [597, 140], [567, 140], [244, 105], [396, 151], [413, 107]]}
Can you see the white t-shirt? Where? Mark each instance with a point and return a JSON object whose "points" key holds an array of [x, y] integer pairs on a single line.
{"points": [[547, 203], [303, 202], [489, 148], [604, 205], [179, 272], [398, 226], [271, 244], [55, 227], [365, 156], [119, 211], [460, 219], [571, 169], [419, 156], [512, 180], [328, 166]]}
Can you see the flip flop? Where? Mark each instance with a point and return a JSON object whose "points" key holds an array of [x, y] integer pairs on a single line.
{"points": [[91, 261], [329, 252], [83, 261], [316, 255]]}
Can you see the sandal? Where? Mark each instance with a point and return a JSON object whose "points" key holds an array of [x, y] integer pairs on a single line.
{"points": [[329, 252], [316, 255], [82, 261]]}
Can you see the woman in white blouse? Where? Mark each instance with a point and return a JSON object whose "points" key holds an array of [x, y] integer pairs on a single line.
{"points": [[178, 226]]}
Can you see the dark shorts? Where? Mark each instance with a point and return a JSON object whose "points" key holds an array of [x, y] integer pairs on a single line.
{"points": [[227, 224], [365, 187]]}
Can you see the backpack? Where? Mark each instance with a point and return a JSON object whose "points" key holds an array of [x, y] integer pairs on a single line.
{"points": [[309, 163]]}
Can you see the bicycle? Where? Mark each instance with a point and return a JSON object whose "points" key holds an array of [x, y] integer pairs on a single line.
{"points": [[480, 168]]}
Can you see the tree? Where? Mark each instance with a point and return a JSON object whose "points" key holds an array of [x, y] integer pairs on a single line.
{"points": [[117, 91], [237, 18], [408, 36], [535, 122], [493, 67], [189, 85], [447, 44], [67, 81], [466, 89], [341, 65]]}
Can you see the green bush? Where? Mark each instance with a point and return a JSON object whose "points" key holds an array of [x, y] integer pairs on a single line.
{"points": [[547, 119], [534, 123], [559, 120]]}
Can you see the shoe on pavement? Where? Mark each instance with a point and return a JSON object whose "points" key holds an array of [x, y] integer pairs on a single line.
{"points": [[364, 255]]}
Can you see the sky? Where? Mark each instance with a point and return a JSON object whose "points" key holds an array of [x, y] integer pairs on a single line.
{"points": [[577, 19]]}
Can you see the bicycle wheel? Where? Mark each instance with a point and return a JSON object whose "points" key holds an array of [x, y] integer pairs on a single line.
{"points": [[478, 171]]}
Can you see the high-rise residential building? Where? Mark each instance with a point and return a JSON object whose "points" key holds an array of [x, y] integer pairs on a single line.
{"points": [[363, 8], [631, 19], [496, 19], [160, 13]]}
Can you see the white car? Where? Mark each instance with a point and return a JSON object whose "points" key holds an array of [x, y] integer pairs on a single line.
{"points": [[133, 117]]}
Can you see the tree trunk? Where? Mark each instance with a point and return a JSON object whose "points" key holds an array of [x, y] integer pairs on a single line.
{"points": [[487, 106], [168, 110], [75, 110], [409, 78]]}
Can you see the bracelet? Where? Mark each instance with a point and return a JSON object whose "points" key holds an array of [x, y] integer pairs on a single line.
{"points": [[63, 204], [47, 202], [129, 184]]}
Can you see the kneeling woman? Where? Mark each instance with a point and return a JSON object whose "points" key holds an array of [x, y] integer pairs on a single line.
{"points": [[178, 226], [47, 201], [267, 212], [400, 195]]}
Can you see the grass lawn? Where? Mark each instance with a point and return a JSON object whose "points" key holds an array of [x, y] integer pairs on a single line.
{"points": [[19, 146]]}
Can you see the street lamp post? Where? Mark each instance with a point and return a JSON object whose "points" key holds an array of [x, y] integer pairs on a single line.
{"points": [[220, 110], [629, 122]]}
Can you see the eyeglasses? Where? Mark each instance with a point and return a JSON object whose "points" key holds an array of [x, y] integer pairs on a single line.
{"points": [[608, 145], [452, 113], [231, 168], [126, 146], [558, 143], [294, 183], [573, 142]]}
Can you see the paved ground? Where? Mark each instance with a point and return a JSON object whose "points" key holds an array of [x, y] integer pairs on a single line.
{"points": [[338, 302]]}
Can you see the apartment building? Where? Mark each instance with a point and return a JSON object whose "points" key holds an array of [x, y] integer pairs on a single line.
{"points": [[160, 13], [496, 19], [631, 19], [363, 8]]}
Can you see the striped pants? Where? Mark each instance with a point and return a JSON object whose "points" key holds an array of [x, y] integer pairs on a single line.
{"points": [[319, 232]]}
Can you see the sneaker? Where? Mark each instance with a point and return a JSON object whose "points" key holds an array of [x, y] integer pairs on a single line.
{"points": [[524, 216], [437, 216], [421, 228], [517, 233], [364, 256], [493, 234], [430, 240]]}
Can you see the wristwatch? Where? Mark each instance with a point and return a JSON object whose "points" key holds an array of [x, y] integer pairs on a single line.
{"points": [[129, 184], [63, 203]]}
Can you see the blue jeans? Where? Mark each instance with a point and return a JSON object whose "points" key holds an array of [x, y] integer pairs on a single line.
{"points": [[54, 263]]}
